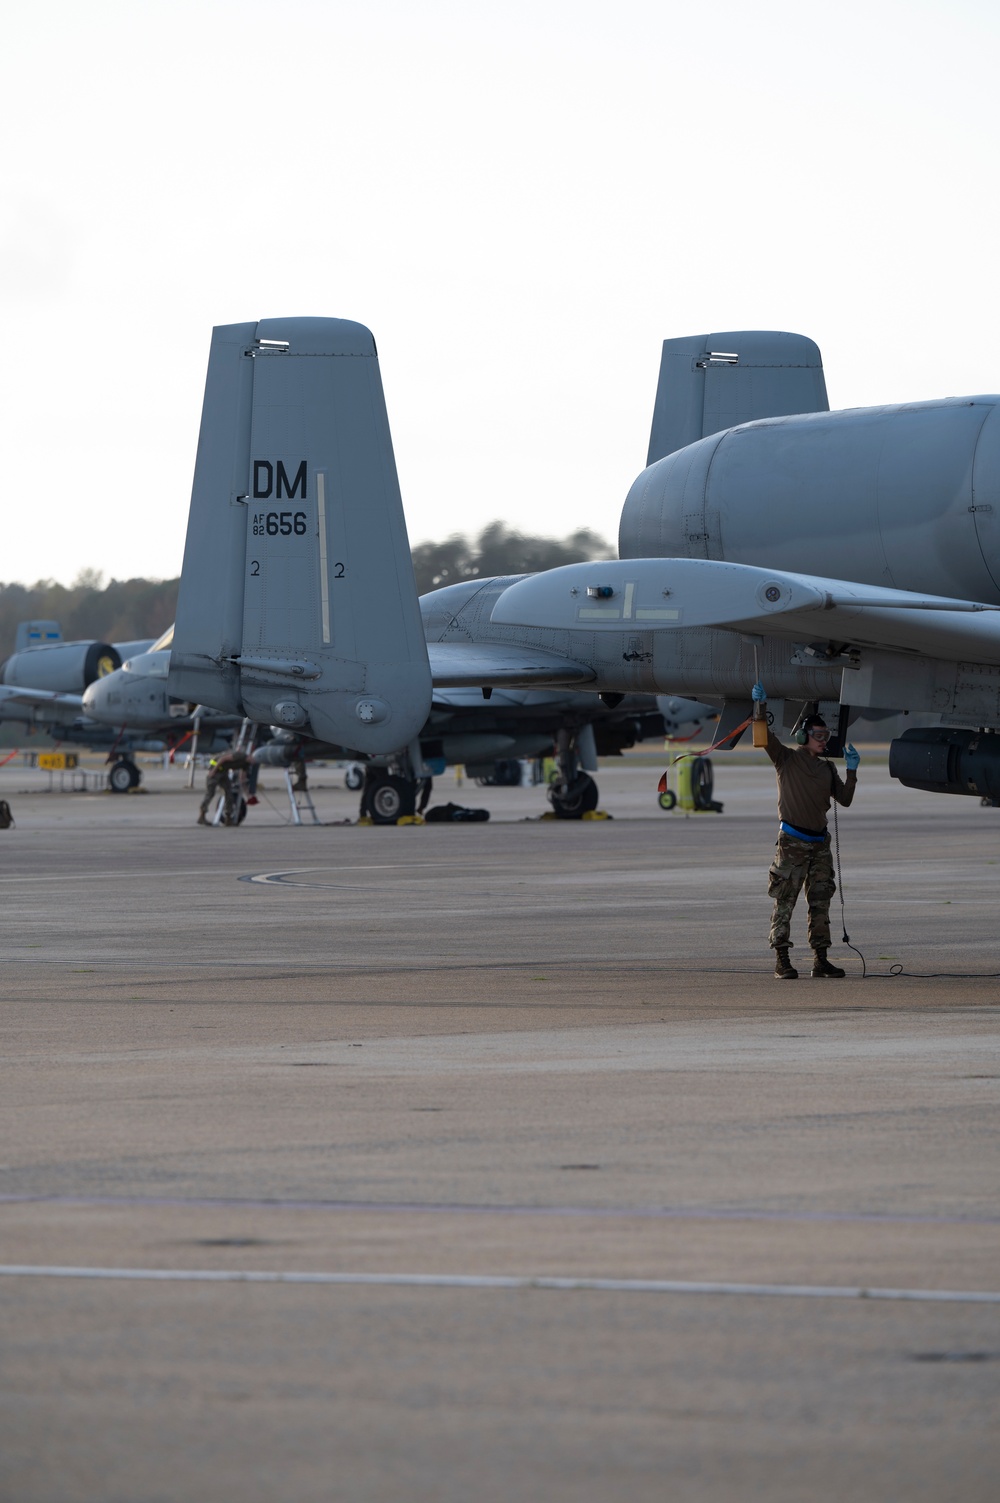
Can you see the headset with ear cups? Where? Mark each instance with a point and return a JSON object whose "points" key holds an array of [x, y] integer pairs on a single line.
{"points": [[801, 733]]}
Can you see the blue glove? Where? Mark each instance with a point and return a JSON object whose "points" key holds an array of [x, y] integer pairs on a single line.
{"points": [[759, 694], [852, 758]]}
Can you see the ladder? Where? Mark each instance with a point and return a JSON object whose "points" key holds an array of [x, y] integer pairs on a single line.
{"points": [[300, 799]]}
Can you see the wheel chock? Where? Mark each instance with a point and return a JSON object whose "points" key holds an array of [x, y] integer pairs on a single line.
{"points": [[411, 819], [596, 814], [366, 819]]}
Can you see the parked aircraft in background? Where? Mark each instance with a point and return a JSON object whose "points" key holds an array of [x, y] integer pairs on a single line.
{"points": [[42, 660], [461, 728], [515, 724], [846, 558], [133, 702], [42, 687]]}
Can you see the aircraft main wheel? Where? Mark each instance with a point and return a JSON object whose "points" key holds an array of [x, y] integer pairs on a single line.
{"points": [[579, 799], [120, 777], [354, 777], [668, 800], [388, 798], [235, 811]]}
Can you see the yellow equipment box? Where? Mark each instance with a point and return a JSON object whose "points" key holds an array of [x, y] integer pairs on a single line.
{"points": [[57, 761]]}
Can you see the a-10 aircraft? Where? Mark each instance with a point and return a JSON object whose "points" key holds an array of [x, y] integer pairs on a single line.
{"points": [[42, 682], [42, 685], [849, 559], [461, 728], [46, 685]]}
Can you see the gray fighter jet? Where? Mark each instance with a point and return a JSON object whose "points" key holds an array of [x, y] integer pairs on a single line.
{"points": [[850, 559], [43, 684], [461, 728]]}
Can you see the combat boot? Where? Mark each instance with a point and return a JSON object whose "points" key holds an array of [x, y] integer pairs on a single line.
{"points": [[822, 967], [783, 968]]}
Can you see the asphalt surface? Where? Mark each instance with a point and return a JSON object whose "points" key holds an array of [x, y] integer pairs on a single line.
{"points": [[594, 1206]]}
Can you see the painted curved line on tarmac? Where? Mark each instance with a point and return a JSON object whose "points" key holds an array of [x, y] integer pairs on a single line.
{"points": [[289, 879]]}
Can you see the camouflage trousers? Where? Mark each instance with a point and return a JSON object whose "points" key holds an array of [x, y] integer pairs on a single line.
{"points": [[213, 783], [226, 783], [799, 863]]}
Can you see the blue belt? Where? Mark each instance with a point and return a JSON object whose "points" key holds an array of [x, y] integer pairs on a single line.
{"points": [[787, 829]]}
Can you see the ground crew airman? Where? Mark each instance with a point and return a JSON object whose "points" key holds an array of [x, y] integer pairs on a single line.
{"points": [[807, 782], [228, 773]]}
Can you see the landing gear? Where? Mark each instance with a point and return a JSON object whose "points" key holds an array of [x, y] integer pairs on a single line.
{"points": [[578, 799], [387, 798], [234, 809], [123, 776], [354, 776], [573, 792]]}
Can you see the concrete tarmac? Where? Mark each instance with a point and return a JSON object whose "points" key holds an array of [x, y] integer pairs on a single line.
{"points": [[521, 1050]]}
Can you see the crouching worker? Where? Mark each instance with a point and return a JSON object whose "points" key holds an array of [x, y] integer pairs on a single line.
{"points": [[807, 781], [228, 774]]}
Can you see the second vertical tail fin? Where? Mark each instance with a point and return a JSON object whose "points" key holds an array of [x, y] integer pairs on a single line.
{"points": [[713, 381]]}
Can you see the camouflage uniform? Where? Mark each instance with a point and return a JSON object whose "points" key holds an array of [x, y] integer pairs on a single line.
{"points": [[799, 863], [226, 774], [806, 786]]}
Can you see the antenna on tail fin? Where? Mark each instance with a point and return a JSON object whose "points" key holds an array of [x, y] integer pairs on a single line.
{"points": [[297, 601]]}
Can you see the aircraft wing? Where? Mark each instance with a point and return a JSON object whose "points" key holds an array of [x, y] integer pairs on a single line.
{"points": [[28, 704], [456, 665], [655, 594]]}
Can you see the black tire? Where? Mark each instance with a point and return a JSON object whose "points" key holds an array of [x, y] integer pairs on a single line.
{"points": [[668, 799], [701, 783], [235, 811], [354, 777], [579, 799], [388, 799], [120, 777], [134, 774]]}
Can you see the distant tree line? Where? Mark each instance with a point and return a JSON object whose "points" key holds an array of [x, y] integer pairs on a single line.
{"points": [[120, 611], [126, 609], [497, 550]]}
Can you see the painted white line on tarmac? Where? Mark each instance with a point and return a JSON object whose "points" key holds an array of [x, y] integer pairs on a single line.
{"points": [[499, 1281]]}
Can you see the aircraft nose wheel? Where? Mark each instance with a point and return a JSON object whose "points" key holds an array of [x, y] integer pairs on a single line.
{"points": [[578, 799], [123, 776]]}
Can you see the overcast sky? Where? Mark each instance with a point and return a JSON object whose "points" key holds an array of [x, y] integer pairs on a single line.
{"points": [[520, 199]]}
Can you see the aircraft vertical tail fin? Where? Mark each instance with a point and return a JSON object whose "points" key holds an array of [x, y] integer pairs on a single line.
{"points": [[297, 602], [713, 381], [36, 634]]}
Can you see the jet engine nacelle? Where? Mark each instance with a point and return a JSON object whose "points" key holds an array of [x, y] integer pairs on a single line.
{"points": [[947, 761], [907, 497], [65, 667]]}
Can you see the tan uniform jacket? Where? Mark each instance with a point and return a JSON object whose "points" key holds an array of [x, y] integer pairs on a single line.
{"points": [[806, 785]]}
